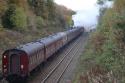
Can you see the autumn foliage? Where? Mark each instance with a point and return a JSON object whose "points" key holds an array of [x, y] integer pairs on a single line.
{"points": [[104, 57], [18, 14]]}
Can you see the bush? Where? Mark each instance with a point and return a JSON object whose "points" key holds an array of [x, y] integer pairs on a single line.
{"points": [[39, 22], [19, 19], [15, 18]]}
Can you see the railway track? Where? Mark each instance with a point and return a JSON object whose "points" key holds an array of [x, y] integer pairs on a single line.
{"points": [[44, 71], [55, 75], [69, 73], [65, 58], [62, 61]]}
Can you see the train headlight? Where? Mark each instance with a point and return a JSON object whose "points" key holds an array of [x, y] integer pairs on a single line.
{"points": [[22, 66], [4, 57], [4, 66]]}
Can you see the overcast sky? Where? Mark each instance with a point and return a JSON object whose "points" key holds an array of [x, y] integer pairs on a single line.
{"points": [[87, 11]]}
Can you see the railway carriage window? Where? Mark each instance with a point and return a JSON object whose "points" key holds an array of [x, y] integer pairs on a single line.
{"points": [[31, 60], [52, 48], [34, 58], [49, 49], [41, 53], [37, 55], [46, 51]]}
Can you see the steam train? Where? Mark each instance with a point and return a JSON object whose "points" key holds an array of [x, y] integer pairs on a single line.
{"points": [[20, 61]]}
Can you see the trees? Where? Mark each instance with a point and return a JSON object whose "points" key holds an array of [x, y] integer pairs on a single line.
{"points": [[51, 9], [15, 18], [102, 2], [39, 7], [44, 8], [15, 14], [108, 42]]}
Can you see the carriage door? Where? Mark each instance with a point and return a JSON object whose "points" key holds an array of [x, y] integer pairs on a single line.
{"points": [[14, 64]]}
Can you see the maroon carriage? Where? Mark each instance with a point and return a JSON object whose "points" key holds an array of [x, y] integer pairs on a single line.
{"points": [[19, 62]]}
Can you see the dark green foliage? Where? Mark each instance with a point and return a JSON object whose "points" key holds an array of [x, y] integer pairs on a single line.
{"points": [[16, 14], [51, 13], [15, 18], [51, 9], [6, 18], [19, 19], [39, 22], [39, 7], [55, 14]]}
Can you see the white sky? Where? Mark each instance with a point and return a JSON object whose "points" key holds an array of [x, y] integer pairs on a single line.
{"points": [[87, 11]]}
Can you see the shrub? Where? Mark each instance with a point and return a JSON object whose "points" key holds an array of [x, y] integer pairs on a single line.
{"points": [[39, 22], [19, 19], [15, 18]]}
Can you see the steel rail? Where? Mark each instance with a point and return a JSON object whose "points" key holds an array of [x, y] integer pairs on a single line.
{"points": [[67, 66], [51, 72]]}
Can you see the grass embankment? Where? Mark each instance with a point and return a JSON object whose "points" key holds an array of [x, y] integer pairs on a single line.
{"points": [[103, 60]]}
